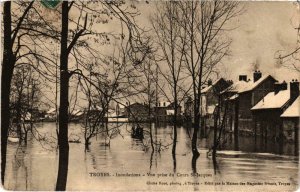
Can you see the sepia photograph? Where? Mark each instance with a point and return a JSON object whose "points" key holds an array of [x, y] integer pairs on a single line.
{"points": [[150, 95]]}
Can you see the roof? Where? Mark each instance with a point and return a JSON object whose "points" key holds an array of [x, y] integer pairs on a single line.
{"points": [[293, 110], [52, 110], [238, 87], [243, 86], [233, 97], [273, 101], [253, 85], [121, 106], [208, 88], [204, 90], [76, 112]]}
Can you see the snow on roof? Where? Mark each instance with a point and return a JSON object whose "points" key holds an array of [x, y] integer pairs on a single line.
{"points": [[206, 89], [233, 97], [79, 113], [293, 110], [76, 112], [52, 110], [27, 116], [273, 101], [238, 87], [121, 106], [243, 86], [252, 85]]}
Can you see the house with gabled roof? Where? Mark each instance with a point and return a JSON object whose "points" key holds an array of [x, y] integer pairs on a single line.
{"points": [[137, 112], [165, 111], [268, 111], [242, 95], [209, 100], [290, 123]]}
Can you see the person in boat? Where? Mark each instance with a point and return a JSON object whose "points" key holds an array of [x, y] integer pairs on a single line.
{"points": [[133, 131], [140, 132]]}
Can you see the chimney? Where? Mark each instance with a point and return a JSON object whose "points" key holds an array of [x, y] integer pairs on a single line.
{"points": [[209, 82], [256, 75], [243, 78], [279, 87], [294, 90]]}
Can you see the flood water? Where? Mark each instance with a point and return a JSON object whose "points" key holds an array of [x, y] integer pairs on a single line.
{"points": [[126, 164]]}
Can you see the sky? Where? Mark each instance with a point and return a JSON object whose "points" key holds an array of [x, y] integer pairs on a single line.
{"points": [[262, 29], [265, 28]]}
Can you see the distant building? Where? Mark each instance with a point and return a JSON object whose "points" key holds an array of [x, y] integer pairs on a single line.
{"points": [[137, 112], [242, 96], [51, 114], [121, 109], [188, 113], [76, 115], [209, 100], [165, 111]]}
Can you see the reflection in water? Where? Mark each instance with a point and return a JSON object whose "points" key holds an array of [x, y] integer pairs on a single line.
{"points": [[34, 167], [174, 162], [194, 163], [215, 163]]}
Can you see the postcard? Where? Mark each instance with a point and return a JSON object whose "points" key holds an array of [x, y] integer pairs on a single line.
{"points": [[146, 95]]}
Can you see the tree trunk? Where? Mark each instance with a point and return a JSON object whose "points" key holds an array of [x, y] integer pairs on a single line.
{"points": [[195, 133], [215, 134], [6, 76], [175, 138], [150, 127], [175, 127], [64, 104]]}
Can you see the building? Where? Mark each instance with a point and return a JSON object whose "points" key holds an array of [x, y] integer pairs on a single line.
{"points": [[76, 115], [121, 109], [210, 96], [290, 121], [51, 114], [137, 112], [267, 113], [242, 95], [165, 111]]}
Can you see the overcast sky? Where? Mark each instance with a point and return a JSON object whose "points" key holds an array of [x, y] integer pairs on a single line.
{"points": [[263, 29]]}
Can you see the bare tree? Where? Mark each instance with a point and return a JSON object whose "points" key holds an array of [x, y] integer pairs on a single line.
{"points": [[204, 24], [291, 58], [8, 63], [170, 39], [24, 100], [135, 46]]}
